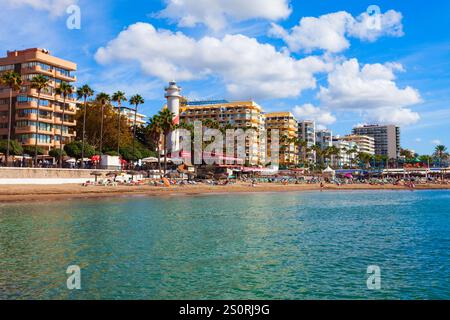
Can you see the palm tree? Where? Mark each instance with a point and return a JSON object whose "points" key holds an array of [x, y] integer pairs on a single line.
{"points": [[84, 93], [319, 152], [211, 124], [155, 132], [167, 125], [440, 152], [103, 98], [13, 81], [364, 158], [301, 145], [118, 97], [39, 83], [135, 100], [63, 90], [331, 152], [351, 153]]}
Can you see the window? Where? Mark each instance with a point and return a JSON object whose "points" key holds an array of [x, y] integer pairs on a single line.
{"points": [[42, 138], [7, 67], [26, 99], [63, 72], [33, 64]]}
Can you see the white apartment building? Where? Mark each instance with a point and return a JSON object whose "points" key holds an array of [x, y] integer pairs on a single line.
{"points": [[365, 144], [307, 132]]}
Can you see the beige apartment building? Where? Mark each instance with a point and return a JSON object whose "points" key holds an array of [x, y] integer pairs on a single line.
{"points": [[237, 114], [287, 126], [365, 144], [30, 63], [387, 138]]}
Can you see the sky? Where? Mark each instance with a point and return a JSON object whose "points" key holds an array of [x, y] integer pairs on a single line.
{"points": [[341, 63]]}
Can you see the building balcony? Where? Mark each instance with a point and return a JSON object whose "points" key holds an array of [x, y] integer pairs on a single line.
{"points": [[33, 117], [65, 78], [68, 110], [57, 121], [32, 129], [33, 105]]}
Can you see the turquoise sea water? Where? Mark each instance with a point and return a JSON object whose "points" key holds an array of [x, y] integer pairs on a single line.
{"points": [[242, 246]]}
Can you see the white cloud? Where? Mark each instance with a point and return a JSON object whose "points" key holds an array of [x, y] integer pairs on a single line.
{"points": [[436, 142], [310, 112], [371, 90], [248, 68], [216, 13], [54, 7], [330, 32], [418, 140], [399, 116], [364, 27]]}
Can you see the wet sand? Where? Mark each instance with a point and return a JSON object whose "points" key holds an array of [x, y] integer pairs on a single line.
{"points": [[20, 193]]}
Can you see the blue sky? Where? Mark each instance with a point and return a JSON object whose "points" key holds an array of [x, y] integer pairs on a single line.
{"points": [[331, 61]]}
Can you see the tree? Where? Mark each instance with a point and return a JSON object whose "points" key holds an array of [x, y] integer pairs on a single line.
{"points": [[75, 150], [426, 160], [302, 145], [13, 81], [154, 131], [167, 126], [331, 152], [211, 124], [39, 83], [364, 158], [110, 128], [135, 100], [406, 153], [84, 93], [63, 90], [33, 150], [14, 147], [103, 98], [118, 97], [57, 153], [440, 153]]}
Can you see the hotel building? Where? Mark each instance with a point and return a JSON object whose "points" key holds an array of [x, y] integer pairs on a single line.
{"points": [[239, 114], [287, 126], [307, 132], [30, 63], [128, 113], [387, 138], [365, 144]]}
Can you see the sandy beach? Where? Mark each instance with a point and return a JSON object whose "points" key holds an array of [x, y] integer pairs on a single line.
{"points": [[19, 193]]}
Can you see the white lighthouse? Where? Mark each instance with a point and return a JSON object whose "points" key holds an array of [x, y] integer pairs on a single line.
{"points": [[173, 96]]}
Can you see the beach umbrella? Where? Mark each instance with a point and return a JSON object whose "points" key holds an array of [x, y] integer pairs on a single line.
{"points": [[96, 174], [150, 160]]}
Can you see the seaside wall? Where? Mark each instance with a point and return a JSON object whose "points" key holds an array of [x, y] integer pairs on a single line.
{"points": [[45, 176]]}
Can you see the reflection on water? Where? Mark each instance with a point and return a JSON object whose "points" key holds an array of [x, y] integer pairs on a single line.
{"points": [[248, 246]]}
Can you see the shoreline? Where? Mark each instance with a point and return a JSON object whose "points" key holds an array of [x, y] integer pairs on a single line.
{"points": [[34, 193]]}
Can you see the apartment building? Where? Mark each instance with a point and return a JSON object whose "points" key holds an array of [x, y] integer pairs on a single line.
{"points": [[129, 114], [287, 126], [324, 138], [346, 157], [387, 138], [237, 114], [25, 118], [307, 132], [365, 144]]}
